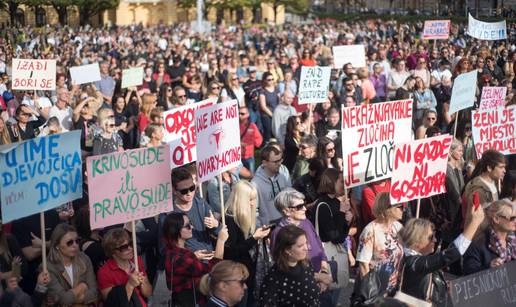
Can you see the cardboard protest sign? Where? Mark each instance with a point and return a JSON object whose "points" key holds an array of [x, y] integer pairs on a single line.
{"points": [[420, 168], [463, 92], [132, 77], [40, 174], [492, 287], [493, 97], [436, 29], [494, 129], [85, 73], [354, 54], [129, 185], [314, 84], [369, 132], [180, 132], [34, 74], [486, 30], [218, 139]]}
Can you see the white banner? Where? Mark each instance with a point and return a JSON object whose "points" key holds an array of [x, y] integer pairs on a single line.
{"points": [[314, 84], [487, 30], [354, 54]]}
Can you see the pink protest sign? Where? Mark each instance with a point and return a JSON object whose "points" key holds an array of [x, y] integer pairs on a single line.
{"points": [[494, 129], [493, 97], [34, 74], [436, 29], [218, 139], [129, 185], [180, 132]]}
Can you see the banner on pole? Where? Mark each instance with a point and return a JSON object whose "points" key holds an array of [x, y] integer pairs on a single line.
{"points": [[354, 54], [34, 74], [218, 139], [420, 168], [314, 84], [129, 185], [494, 129], [493, 97], [486, 30], [463, 92], [40, 174], [370, 132], [436, 29], [180, 132]]}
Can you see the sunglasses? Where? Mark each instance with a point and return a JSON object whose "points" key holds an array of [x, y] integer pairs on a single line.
{"points": [[431, 118], [467, 128], [182, 96], [330, 149], [125, 247], [240, 281], [298, 207], [242, 114], [215, 88], [187, 190], [71, 242], [508, 218], [188, 226]]}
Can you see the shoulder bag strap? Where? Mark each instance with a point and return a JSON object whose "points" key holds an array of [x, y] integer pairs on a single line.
{"points": [[317, 217], [430, 288]]}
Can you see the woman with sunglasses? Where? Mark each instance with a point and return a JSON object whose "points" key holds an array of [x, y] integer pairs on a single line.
{"points": [[269, 99], [120, 284], [213, 91], [233, 90], [184, 268], [72, 278], [106, 139], [428, 120], [327, 153], [225, 285], [495, 245]]}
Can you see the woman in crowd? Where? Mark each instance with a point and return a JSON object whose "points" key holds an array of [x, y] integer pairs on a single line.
{"points": [[495, 245], [12, 262], [307, 149], [424, 99], [119, 281], [288, 84], [243, 233], [189, 75], [465, 135], [421, 275], [155, 135], [269, 99], [72, 279], [428, 120], [368, 91], [165, 98], [292, 140], [161, 76], [148, 103], [184, 268], [292, 273], [213, 91], [326, 151], [379, 248], [195, 93], [233, 90], [274, 70], [225, 285], [106, 139], [148, 85], [4, 133], [421, 71]]}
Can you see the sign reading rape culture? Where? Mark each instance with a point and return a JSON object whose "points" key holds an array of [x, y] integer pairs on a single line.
{"points": [[314, 84], [129, 185], [370, 132], [493, 97], [40, 174], [436, 29], [494, 129], [218, 139], [34, 74], [463, 92], [180, 132], [487, 30], [420, 168]]}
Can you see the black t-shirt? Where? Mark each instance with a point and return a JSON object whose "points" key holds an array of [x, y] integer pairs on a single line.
{"points": [[176, 71]]}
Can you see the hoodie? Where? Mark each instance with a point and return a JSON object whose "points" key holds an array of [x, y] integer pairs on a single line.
{"points": [[268, 188]]}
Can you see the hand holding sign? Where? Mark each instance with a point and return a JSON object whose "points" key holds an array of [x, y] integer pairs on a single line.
{"points": [[210, 221]]}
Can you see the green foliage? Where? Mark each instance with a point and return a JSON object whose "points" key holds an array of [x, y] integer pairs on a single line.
{"points": [[186, 4]]}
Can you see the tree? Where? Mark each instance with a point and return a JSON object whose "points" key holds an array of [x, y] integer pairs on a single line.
{"points": [[295, 6], [11, 6], [61, 7], [88, 8]]}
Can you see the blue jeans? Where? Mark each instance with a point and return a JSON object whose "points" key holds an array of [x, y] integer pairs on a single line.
{"points": [[249, 164]]}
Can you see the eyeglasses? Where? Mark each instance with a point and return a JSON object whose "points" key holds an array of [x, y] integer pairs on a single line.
{"points": [[125, 247], [187, 190], [71, 242], [188, 226], [431, 118], [215, 87], [240, 281], [298, 207], [181, 96], [330, 149], [508, 218]]}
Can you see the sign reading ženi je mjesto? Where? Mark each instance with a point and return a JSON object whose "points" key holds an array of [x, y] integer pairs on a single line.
{"points": [[493, 97], [314, 84], [436, 29], [463, 91], [494, 129], [419, 168], [34, 74], [492, 287], [369, 132], [487, 30], [218, 139], [40, 174], [180, 132], [129, 185]]}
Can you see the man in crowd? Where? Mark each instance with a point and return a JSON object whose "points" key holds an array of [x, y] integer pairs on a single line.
{"points": [[280, 116]]}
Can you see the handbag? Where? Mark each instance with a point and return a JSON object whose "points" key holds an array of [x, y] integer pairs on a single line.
{"points": [[414, 301]]}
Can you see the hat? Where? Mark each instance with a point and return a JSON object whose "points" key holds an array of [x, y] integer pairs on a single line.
{"points": [[251, 69], [7, 96]]}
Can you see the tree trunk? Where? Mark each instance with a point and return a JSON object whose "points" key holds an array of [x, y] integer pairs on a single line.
{"points": [[240, 14], [61, 13], [13, 6]]}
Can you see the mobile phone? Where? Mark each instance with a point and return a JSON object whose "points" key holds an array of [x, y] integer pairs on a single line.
{"points": [[270, 226], [476, 200], [16, 269]]}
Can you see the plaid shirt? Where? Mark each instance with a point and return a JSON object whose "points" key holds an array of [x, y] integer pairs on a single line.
{"points": [[186, 268]]}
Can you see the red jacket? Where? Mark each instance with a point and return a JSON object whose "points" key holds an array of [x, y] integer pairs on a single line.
{"points": [[368, 197], [250, 138]]}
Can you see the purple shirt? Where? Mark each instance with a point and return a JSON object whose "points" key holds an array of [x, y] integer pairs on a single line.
{"points": [[380, 85], [315, 248]]}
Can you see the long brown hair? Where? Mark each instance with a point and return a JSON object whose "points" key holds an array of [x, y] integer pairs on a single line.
{"points": [[286, 238], [4, 134]]}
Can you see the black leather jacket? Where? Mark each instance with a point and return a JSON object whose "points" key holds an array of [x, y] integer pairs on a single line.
{"points": [[419, 269]]}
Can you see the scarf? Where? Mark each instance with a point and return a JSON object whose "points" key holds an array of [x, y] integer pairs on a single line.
{"points": [[508, 253]]}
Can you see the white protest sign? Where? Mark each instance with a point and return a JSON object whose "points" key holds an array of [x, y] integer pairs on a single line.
{"points": [[420, 169], [493, 97], [314, 84], [354, 54], [486, 30], [436, 29], [369, 133], [132, 77], [494, 129], [85, 73], [34, 74], [463, 92], [218, 139], [180, 132]]}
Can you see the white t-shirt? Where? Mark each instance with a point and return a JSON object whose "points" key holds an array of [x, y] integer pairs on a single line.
{"points": [[64, 116], [69, 271]]}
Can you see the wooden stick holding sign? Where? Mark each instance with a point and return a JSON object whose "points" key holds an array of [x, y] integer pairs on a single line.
{"points": [[417, 208], [456, 122], [135, 246], [43, 241], [310, 118], [221, 193]]}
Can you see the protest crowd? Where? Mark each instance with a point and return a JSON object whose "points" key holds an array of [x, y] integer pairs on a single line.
{"points": [[327, 185]]}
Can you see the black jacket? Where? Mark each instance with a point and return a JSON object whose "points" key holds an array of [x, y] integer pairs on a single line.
{"points": [[419, 269], [17, 134], [478, 256]]}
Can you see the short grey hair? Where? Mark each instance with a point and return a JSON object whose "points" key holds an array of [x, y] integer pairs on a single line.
{"points": [[286, 198]]}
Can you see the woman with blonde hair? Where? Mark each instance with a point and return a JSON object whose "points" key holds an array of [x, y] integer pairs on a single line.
{"points": [[233, 90], [149, 102], [155, 134], [368, 90], [106, 139], [241, 223], [225, 285], [4, 133]]}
